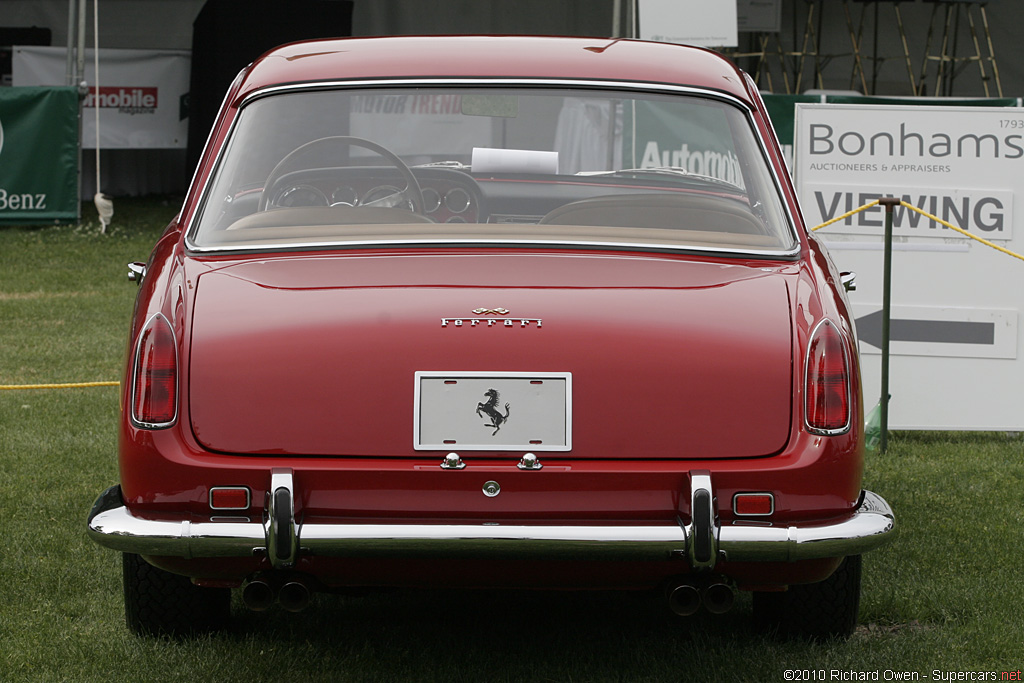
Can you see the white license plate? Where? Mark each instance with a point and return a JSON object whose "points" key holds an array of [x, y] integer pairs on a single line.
{"points": [[480, 411]]}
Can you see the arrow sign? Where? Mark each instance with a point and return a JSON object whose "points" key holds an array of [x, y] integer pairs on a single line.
{"points": [[869, 328]]}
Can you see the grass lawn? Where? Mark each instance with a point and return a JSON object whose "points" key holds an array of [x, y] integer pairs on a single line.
{"points": [[946, 596]]}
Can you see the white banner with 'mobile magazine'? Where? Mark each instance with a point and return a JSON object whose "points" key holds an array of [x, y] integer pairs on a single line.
{"points": [[143, 94], [955, 332]]}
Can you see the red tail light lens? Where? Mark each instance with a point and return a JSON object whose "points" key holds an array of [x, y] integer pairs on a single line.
{"points": [[827, 387], [155, 382]]}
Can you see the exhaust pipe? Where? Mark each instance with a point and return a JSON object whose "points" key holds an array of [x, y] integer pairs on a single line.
{"points": [[684, 599], [294, 596], [718, 598], [258, 595]]}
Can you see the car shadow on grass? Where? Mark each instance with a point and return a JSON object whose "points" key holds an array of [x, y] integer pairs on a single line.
{"points": [[521, 635]]}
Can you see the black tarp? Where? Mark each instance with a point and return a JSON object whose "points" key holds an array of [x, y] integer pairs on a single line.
{"points": [[229, 34]]}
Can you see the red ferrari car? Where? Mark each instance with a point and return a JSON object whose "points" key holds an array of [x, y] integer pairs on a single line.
{"points": [[491, 312]]}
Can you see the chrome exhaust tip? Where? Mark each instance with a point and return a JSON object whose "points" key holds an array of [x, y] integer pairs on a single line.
{"points": [[293, 596], [684, 599], [258, 596], [718, 598]]}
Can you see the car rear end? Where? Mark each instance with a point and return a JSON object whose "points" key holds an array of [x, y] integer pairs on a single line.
{"points": [[614, 377]]}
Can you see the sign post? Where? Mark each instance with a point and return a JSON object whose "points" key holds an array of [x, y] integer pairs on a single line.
{"points": [[888, 203]]}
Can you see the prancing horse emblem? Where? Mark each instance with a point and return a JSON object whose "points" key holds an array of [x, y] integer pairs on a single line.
{"points": [[490, 407]]}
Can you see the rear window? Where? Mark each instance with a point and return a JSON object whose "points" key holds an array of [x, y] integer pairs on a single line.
{"points": [[492, 165]]}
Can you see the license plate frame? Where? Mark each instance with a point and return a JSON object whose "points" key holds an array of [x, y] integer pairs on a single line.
{"points": [[529, 411]]}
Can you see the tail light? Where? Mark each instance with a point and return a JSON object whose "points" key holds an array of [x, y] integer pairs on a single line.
{"points": [[155, 376], [827, 384]]}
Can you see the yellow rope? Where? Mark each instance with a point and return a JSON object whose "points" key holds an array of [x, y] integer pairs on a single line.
{"points": [[926, 215], [844, 216], [71, 385], [963, 232]]}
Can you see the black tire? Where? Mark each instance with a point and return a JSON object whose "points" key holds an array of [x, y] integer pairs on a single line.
{"points": [[819, 611], [159, 603]]}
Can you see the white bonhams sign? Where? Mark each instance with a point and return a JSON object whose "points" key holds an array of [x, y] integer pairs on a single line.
{"points": [[957, 355]]}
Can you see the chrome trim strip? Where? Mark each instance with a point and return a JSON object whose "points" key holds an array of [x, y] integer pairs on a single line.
{"points": [[113, 526], [538, 243], [520, 81], [201, 196]]}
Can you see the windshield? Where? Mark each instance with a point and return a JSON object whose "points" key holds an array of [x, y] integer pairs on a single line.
{"points": [[488, 165]]}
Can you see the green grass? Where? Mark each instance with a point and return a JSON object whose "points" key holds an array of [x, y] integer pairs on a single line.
{"points": [[946, 595]]}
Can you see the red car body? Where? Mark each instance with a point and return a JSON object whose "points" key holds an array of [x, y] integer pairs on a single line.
{"points": [[696, 406]]}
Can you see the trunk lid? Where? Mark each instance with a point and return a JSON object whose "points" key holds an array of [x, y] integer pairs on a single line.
{"points": [[664, 357]]}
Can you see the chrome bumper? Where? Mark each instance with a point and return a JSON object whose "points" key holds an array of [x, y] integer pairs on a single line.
{"points": [[280, 538]]}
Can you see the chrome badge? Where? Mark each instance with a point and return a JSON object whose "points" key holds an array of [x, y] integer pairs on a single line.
{"points": [[491, 322]]}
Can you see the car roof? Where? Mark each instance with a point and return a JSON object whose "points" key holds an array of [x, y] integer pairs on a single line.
{"points": [[527, 57]]}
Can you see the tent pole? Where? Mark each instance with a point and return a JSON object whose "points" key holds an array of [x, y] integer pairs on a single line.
{"points": [[69, 73], [80, 75]]}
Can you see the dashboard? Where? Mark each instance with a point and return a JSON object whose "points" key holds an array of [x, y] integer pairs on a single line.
{"points": [[448, 195]]}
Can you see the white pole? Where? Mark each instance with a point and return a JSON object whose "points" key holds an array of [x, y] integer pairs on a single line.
{"points": [[69, 74], [104, 206], [96, 85], [80, 73]]}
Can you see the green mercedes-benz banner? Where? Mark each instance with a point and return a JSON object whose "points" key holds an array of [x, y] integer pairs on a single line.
{"points": [[38, 155]]}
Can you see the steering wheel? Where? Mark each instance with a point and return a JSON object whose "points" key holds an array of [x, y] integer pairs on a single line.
{"points": [[411, 193]]}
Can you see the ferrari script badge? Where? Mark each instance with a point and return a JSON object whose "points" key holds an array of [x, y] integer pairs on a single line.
{"points": [[491, 322]]}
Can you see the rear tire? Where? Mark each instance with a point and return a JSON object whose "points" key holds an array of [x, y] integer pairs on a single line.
{"points": [[159, 603], [819, 611]]}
